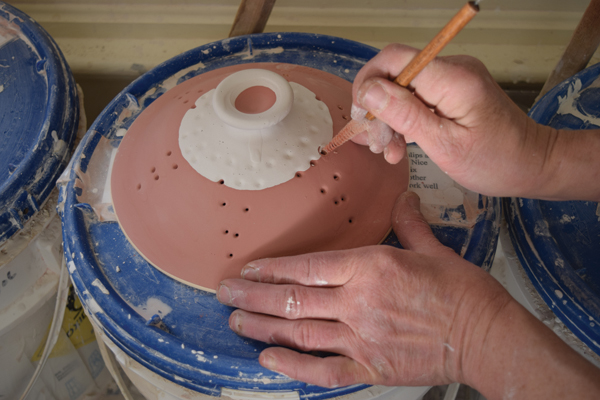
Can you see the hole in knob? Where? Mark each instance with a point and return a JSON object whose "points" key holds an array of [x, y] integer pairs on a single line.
{"points": [[255, 100]]}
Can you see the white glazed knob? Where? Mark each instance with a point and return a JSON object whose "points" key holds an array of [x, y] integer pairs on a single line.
{"points": [[231, 87]]}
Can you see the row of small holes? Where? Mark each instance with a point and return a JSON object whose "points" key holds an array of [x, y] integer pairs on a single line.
{"points": [[223, 204], [337, 202], [153, 170]]}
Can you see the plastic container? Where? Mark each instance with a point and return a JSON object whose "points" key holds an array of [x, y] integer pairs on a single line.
{"points": [[555, 270], [172, 340], [39, 115]]}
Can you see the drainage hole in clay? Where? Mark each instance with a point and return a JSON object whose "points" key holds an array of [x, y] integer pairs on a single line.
{"points": [[236, 235], [222, 182], [230, 255], [323, 191], [223, 204], [226, 231], [336, 177], [298, 175], [156, 177], [350, 220], [335, 202], [175, 166], [246, 209], [169, 153], [343, 198]]}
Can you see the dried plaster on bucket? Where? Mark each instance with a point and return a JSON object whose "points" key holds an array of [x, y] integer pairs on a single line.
{"points": [[253, 151], [541, 229], [10, 31], [568, 103], [515, 279]]}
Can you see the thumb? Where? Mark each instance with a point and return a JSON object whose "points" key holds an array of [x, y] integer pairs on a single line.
{"points": [[398, 108], [411, 228]]}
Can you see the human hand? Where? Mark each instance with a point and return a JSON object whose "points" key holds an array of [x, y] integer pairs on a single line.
{"points": [[378, 136], [459, 116], [395, 317]]}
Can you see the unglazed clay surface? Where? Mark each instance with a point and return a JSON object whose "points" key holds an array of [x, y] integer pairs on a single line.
{"points": [[200, 232], [254, 159]]}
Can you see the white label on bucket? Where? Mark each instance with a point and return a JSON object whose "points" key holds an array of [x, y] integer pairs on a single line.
{"points": [[433, 186]]}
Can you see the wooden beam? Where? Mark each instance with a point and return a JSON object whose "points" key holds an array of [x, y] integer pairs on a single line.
{"points": [[580, 50], [252, 16]]}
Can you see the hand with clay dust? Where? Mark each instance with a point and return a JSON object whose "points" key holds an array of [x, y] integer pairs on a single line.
{"points": [[462, 119], [420, 316], [378, 136]]}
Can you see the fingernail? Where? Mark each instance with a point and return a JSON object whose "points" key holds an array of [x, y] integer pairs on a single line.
{"points": [[375, 148], [375, 98], [250, 273], [235, 322], [224, 294], [268, 362], [412, 199], [357, 113]]}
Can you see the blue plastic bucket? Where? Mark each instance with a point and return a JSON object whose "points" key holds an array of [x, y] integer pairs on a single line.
{"points": [[39, 114], [558, 243], [177, 332]]}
